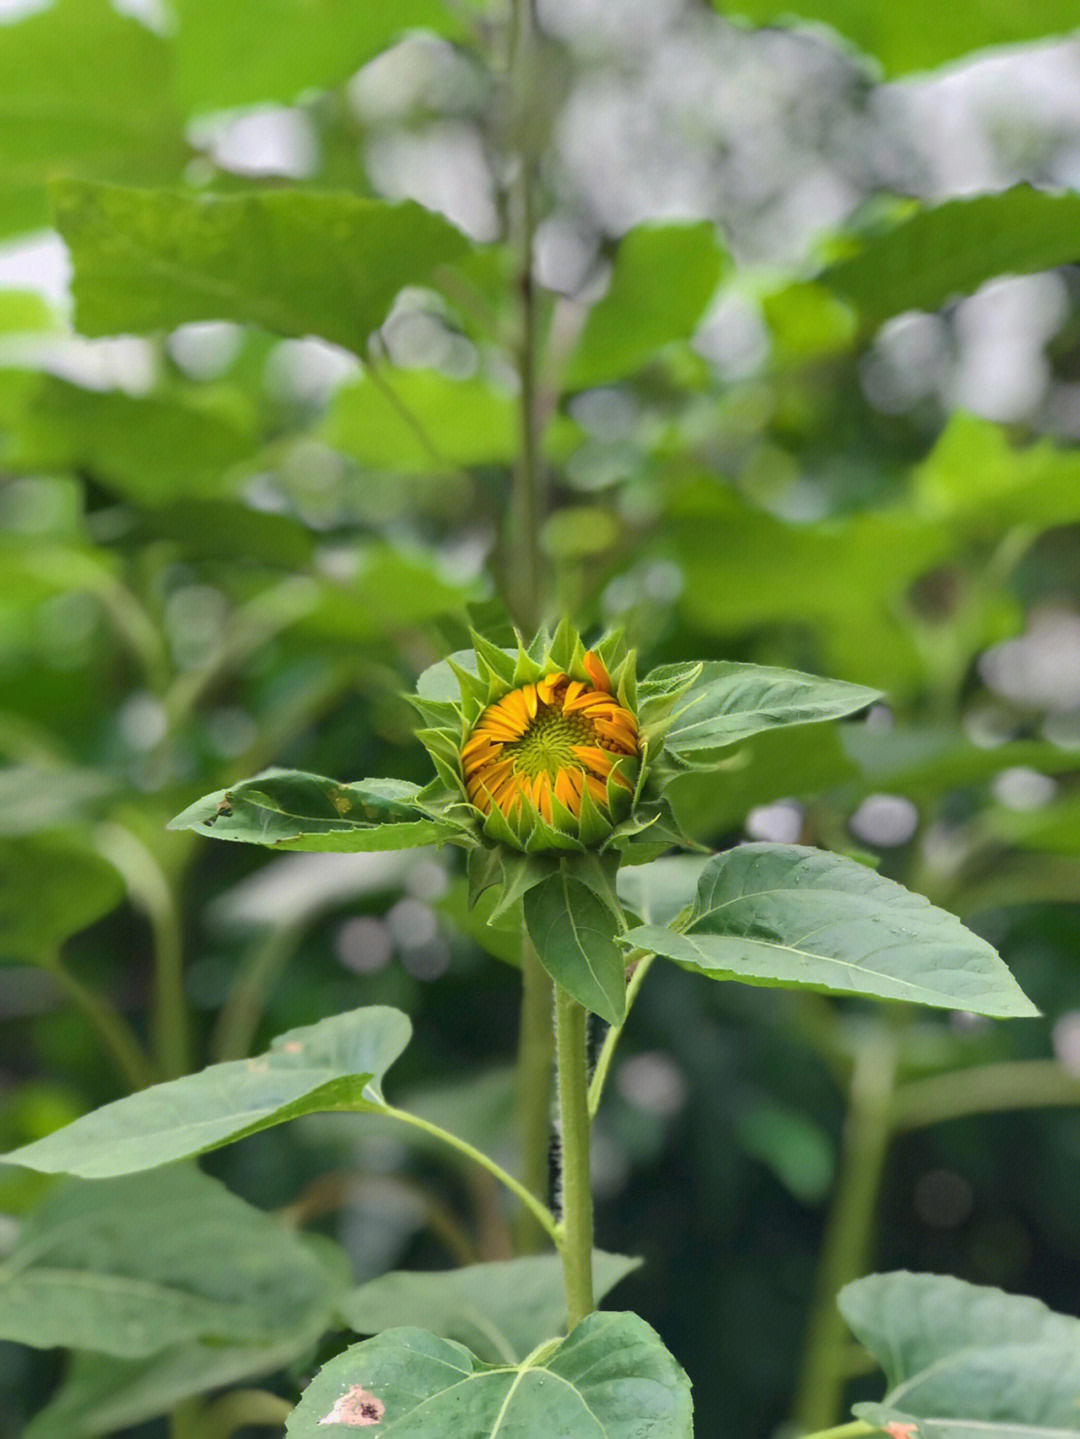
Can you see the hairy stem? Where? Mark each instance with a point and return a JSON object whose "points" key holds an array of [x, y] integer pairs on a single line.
{"points": [[849, 1232], [536, 1054], [576, 1224]]}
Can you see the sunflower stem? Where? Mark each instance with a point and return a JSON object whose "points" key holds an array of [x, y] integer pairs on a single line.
{"points": [[534, 1075], [576, 1223]]}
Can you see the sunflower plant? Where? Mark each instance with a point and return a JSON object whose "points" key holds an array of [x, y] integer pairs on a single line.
{"points": [[552, 766]]}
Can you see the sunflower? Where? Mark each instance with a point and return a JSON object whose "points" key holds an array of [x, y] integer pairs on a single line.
{"points": [[550, 743]]}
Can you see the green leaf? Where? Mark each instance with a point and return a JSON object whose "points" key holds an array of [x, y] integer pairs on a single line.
{"points": [[113, 119], [574, 935], [336, 1064], [976, 477], [101, 1395], [150, 448], [659, 891], [419, 422], [729, 702], [292, 810], [50, 888], [294, 262], [612, 1378], [663, 279], [921, 35], [501, 1310], [120, 1266], [961, 1359], [247, 51], [945, 251], [800, 918]]}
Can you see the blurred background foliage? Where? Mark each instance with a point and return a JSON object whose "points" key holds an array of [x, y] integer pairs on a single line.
{"points": [[813, 397]]}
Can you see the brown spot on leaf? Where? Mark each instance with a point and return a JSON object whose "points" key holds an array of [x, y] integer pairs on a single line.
{"points": [[293, 1047], [902, 1431], [356, 1407], [341, 801]]}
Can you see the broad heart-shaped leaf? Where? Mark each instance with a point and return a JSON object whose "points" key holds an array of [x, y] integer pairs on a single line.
{"points": [[501, 1310], [135, 1265], [335, 1064], [663, 279], [729, 702], [295, 262], [291, 810], [963, 1359], [574, 935], [949, 250], [50, 888], [921, 35], [659, 891], [611, 1379], [785, 915]]}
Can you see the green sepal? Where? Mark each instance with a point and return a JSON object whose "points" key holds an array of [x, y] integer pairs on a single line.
{"points": [[593, 826], [499, 663], [438, 742], [526, 670], [512, 871], [564, 646], [474, 689]]}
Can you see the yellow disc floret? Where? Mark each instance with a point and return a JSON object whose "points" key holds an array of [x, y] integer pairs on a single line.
{"points": [[550, 741]]}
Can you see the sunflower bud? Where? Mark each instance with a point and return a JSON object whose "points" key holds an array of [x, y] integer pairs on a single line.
{"points": [[547, 754]]}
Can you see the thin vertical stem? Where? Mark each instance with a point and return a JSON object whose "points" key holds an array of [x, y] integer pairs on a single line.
{"points": [[114, 1031], [849, 1233], [150, 890], [526, 581], [577, 1208], [533, 1082]]}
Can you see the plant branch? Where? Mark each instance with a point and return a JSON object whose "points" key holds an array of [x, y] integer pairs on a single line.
{"points": [[541, 1212], [850, 1228], [607, 1050], [150, 891], [576, 1223], [116, 1034], [242, 1409], [983, 1089]]}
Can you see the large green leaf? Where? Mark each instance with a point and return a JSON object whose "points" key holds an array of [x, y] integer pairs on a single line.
{"points": [[728, 702], [663, 279], [135, 1265], [946, 251], [294, 262], [112, 118], [961, 1359], [501, 1310], [574, 935], [611, 1379], [291, 810], [336, 1064], [255, 50], [150, 448], [50, 888], [419, 421], [101, 1395], [801, 918], [974, 475], [919, 36]]}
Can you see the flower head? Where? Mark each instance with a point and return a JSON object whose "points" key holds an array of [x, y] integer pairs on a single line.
{"points": [[549, 743], [541, 743]]}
